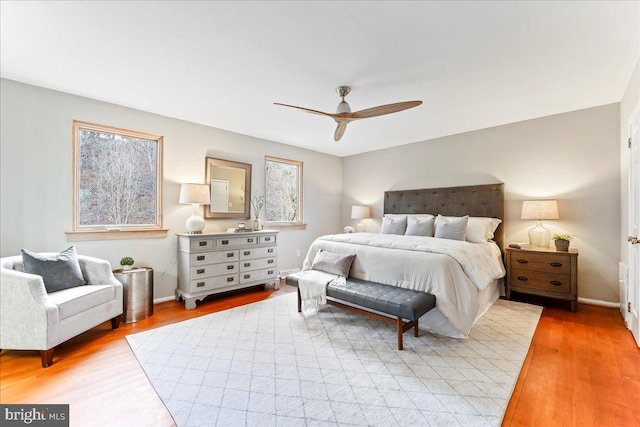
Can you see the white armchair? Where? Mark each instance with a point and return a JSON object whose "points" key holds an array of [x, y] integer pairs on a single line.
{"points": [[32, 319]]}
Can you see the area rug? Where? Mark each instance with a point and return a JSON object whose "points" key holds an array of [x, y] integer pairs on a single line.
{"points": [[265, 364]]}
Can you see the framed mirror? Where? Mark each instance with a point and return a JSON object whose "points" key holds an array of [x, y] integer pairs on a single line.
{"points": [[230, 186]]}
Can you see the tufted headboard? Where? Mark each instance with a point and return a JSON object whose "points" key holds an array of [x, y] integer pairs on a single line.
{"points": [[472, 200]]}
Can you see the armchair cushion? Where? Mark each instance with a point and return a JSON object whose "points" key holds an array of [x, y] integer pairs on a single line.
{"points": [[58, 273], [81, 298]]}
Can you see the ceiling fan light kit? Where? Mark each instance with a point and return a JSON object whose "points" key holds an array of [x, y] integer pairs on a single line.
{"points": [[343, 114]]}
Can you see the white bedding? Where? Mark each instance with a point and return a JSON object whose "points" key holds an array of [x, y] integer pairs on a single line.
{"points": [[462, 275]]}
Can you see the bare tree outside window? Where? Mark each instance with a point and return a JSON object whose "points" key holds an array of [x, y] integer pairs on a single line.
{"points": [[283, 190], [117, 178]]}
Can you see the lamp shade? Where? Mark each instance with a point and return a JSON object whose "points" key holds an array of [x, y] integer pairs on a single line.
{"points": [[359, 212], [540, 209], [195, 193]]}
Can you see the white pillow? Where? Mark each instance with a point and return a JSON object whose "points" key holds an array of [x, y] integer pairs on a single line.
{"points": [[480, 229], [451, 227], [420, 225], [391, 225]]}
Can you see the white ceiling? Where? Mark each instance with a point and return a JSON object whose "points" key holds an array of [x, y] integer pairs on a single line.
{"points": [[223, 64]]}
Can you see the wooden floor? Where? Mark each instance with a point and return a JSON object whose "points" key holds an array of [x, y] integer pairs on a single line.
{"points": [[583, 369]]}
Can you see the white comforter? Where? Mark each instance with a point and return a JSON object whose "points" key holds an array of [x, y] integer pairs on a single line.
{"points": [[456, 272]]}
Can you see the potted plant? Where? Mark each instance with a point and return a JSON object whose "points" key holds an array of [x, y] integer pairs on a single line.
{"points": [[126, 263], [562, 241], [257, 201]]}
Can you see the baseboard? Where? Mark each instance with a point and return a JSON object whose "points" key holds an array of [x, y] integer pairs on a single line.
{"points": [[164, 299], [599, 303]]}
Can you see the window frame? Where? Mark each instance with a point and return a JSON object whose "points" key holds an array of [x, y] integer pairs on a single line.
{"points": [[80, 232], [300, 165]]}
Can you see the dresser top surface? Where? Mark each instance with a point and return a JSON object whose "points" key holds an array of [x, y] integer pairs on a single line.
{"points": [[228, 234]]}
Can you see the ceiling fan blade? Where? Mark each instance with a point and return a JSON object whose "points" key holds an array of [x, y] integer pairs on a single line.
{"points": [[308, 110], [381, 110], [342, 126]]}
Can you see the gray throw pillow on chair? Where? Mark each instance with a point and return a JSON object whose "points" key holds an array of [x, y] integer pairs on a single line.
{"points": [[58, 273]]}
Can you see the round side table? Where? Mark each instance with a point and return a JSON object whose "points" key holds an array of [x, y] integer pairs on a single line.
{"points": [[138, 293]]}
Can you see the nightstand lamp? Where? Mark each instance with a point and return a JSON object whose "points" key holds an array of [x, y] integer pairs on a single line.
{"points": [[195, 195], [539, 210], [360, 213]]}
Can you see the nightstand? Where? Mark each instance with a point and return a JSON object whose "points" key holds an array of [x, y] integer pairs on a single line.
{"points": [[545, 272]]}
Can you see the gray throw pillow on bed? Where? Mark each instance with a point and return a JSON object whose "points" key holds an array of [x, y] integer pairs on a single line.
{"points": [[394, 225], [58, 273], [420, 225], [453, 229], [333, 263]]}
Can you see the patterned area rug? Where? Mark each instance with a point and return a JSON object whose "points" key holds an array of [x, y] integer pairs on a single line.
{"points": [[265, 364]]}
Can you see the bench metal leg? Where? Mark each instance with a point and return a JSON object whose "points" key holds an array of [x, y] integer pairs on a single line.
{"points": [[299, 302]]}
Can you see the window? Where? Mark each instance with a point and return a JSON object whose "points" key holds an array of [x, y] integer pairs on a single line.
{"points": [[117, 180], [283, 190]]}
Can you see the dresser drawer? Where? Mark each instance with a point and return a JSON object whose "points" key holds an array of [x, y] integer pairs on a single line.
{"points": [[256, 264], [257, 253], [209, 270], [234, 242], [213, 257], [213, 282], [266, 239], [201, 244], [252, 276], [560, 283], [548, 263]]}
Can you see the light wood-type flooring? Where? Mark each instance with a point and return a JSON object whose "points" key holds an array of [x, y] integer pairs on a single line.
{"points": [[583, 369]]}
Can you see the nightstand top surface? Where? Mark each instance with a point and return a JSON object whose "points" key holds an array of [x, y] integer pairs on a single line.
{"points": [[571, 251]]}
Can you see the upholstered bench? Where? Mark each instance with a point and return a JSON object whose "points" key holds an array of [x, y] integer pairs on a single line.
{"points": [[375, 299]]}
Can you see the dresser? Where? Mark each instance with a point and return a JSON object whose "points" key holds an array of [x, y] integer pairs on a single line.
{"points": [[213, 263], [543, 271]]}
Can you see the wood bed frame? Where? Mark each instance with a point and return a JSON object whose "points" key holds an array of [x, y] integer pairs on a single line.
{"points": [[472, 200]]}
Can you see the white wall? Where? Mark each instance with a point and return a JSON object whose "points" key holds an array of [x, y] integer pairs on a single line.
{"points": [[572, 157], [36, 178]]}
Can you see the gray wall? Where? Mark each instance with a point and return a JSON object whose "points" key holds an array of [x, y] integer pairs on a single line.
{"points": [[572, 157], [36, 178]]}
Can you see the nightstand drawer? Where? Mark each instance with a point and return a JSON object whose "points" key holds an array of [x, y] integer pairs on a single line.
{"points": [[560, 283], [547, 263]]}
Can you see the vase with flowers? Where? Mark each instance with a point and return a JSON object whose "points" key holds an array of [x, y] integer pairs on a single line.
{"points": [[257, 201]]}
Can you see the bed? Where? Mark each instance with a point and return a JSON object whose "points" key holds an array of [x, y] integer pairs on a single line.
{"points": [[465, 277]]}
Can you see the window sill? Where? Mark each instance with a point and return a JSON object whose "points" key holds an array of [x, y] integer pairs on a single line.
{"points": [[286, 225], [83, 236]]}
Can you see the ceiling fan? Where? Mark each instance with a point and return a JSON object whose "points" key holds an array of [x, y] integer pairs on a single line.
{"points": [[343, 114]]}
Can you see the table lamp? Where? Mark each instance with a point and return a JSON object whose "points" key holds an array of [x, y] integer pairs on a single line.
{"points": [[195, 195], [539, 210], [359, 213]]}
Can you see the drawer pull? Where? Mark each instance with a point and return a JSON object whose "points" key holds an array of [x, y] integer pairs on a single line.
{"points": [[200, 258], [249, 240], [270, 261], [247, 264], [246, 276], [202, 243], [523, 261], [199, 284], [270, 272], [230, 255], [247, 253], [229, 279], [556, 264], [200, 271], [555, 282], [270, 250], [225, 242], [522, 278], [267, 239], [230, 267]]}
